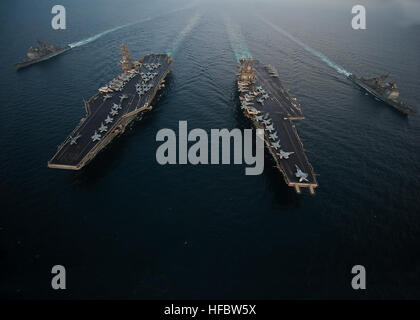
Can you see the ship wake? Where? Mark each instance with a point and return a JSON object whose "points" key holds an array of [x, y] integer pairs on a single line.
{"points": [[181, 36], [100, 35], [237, 40], [312, 51]]}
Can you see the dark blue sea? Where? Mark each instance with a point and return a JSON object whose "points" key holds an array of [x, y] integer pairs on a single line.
{"points": [[127, 227]]}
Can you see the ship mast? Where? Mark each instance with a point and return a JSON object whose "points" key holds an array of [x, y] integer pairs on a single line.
{"points": [[126, 63], [247, 72]]}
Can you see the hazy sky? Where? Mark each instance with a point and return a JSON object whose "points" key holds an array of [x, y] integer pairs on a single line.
{"points": [[410, 10]]}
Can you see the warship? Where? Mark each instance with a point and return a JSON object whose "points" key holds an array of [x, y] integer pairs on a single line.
{"points": [[383, 90], [123, 99], [44, 52], [268, 104]]}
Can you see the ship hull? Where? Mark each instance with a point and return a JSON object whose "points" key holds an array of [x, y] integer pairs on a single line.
{"points": [[77, 156], [401, 108], [282, 109], [122, 125], [25, 64]]}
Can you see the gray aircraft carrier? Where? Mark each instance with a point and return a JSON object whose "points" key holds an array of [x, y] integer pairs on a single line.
{"points": [[269, 105], [109, 111]]}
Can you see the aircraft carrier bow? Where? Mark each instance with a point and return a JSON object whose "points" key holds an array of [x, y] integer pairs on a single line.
{"points": [[109, 111], [268, 104]]}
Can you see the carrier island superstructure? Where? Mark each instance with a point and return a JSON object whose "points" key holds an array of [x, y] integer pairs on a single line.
{"points": [[268, 104], [112, 108]]}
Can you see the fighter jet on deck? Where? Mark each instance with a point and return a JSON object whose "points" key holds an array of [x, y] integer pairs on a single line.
{"points": [[107, 96], [244, 105], [73, 140], [265, 96], [248, 98], [260, 101], [267, 122], [113, 112], [301, 175], [273, 136], [124, 96], [103, 128], [108, 119], [96, 137], [259, 118], [276, 144], [116, 106], [269, 128], [284, 154]]}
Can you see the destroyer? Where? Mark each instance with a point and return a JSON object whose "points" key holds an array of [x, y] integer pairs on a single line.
{"points": [[269, 105], [384, 91], [123, 99], [44, 52]]}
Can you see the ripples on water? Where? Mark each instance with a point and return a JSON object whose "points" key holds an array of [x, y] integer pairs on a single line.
{"points": [[121, 225]]}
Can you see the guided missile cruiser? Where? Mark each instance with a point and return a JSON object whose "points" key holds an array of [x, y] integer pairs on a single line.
{"points": [[42, 53], [383, 90]]}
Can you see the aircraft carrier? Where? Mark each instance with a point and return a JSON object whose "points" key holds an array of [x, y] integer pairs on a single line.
{"points": [[108, 112], [44, 52], [384, 91], [269, 105]]}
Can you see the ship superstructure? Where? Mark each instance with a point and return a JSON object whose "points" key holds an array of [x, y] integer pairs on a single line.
{"points": [[383, 90], [269, 105], [41, 53], [125, 98]]}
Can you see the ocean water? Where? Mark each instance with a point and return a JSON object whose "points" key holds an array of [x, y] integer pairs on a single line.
{"points": [[126, 227]]}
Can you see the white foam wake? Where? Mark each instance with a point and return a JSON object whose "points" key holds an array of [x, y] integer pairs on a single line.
{"points": [[309, 49], [236, 39], [100, 35], [181, 36]]}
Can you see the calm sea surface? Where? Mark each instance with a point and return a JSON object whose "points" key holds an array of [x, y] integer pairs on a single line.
{"points": [[126, 227]]}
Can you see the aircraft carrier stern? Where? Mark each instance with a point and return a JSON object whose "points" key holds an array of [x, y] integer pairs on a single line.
{"points": [[269, 105], [116, 105]]}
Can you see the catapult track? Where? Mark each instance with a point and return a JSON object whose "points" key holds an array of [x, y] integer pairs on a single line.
{"points": [[281, 109], [76, 156]]}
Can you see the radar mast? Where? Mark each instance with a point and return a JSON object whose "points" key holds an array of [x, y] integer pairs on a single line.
{"points": [[126, 63]]}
